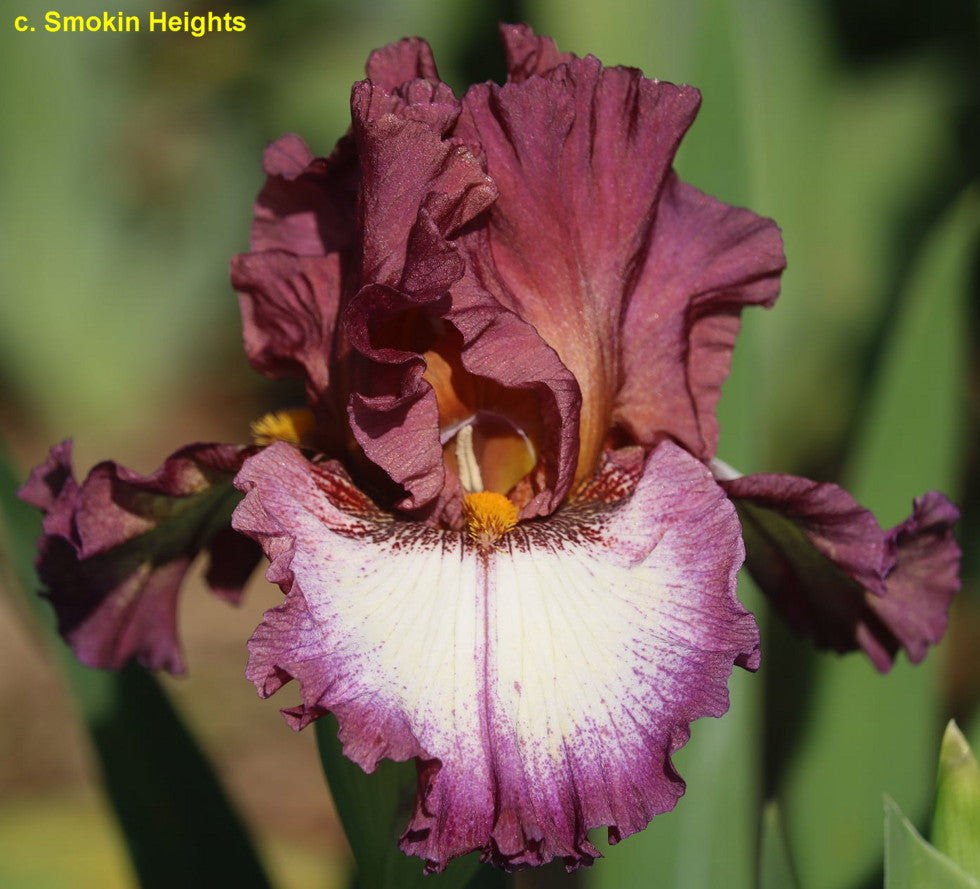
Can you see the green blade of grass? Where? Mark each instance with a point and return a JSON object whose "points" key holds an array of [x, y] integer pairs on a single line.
{"points": [[775, 865]]}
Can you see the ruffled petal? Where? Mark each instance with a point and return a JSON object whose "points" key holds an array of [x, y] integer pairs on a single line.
{"points": [[307, 205], [290, 288], [542, 686], [527, 54], [392, 411], [115, 549], [419, 189], [416, 190], [407, 166], [402, 61], [499, 346], [289, 307], [835, 575], [579, 157], [496, 362], [707, 261], [924, 576]]}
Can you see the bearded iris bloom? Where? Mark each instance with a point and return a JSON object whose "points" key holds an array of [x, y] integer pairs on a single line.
{"points": [[507, 549]]}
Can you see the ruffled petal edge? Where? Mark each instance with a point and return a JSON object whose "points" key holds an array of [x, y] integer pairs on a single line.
{"points": [[115, 549], [424, 646], [834, 574]]}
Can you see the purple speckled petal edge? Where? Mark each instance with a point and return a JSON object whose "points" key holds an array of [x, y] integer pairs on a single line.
{"points": [[425, 646]]}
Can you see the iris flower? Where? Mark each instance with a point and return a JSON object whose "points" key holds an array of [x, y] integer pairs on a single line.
{"points": [[506, 547]]}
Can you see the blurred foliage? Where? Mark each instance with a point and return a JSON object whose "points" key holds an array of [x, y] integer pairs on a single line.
{"points": [[776, 869], [128, 163], [892, 458]]}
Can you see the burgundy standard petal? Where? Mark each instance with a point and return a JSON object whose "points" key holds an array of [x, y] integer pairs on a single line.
{"points": [[707, 261], [542, 685], [498, 362], [402, 61], [289, 308], [116, 548], [418, 190], [579, 157], [501, 347], [407, 166], [834, 574], [290, 288], [392, 410], [528, 54], [307, 205]]}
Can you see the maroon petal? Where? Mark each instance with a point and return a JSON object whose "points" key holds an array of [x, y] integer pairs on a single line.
{"points": [[707, 261], [579, 157], [115, 549], [290, 288], [392, 410], [395, 413], [406, 166], [419, 190], [501, 347], [834, 574], [397, 63], [289, 308], [307, 205], [922, 581], [528, 54]]}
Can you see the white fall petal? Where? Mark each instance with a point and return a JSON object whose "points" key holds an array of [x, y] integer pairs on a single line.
{"points": [[542, 684]]}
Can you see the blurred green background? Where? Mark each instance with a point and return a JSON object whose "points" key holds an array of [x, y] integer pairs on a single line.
{"points": [[128, 164]]}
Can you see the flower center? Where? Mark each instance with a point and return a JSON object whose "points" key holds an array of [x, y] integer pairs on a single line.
{"points": [[489, 516], [488, 452], [292, 426]]}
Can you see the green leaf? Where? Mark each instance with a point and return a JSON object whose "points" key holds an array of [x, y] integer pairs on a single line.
{"points": [[911, 863], [179, 826], [956, 817], [775, 864], [374, 810]]}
